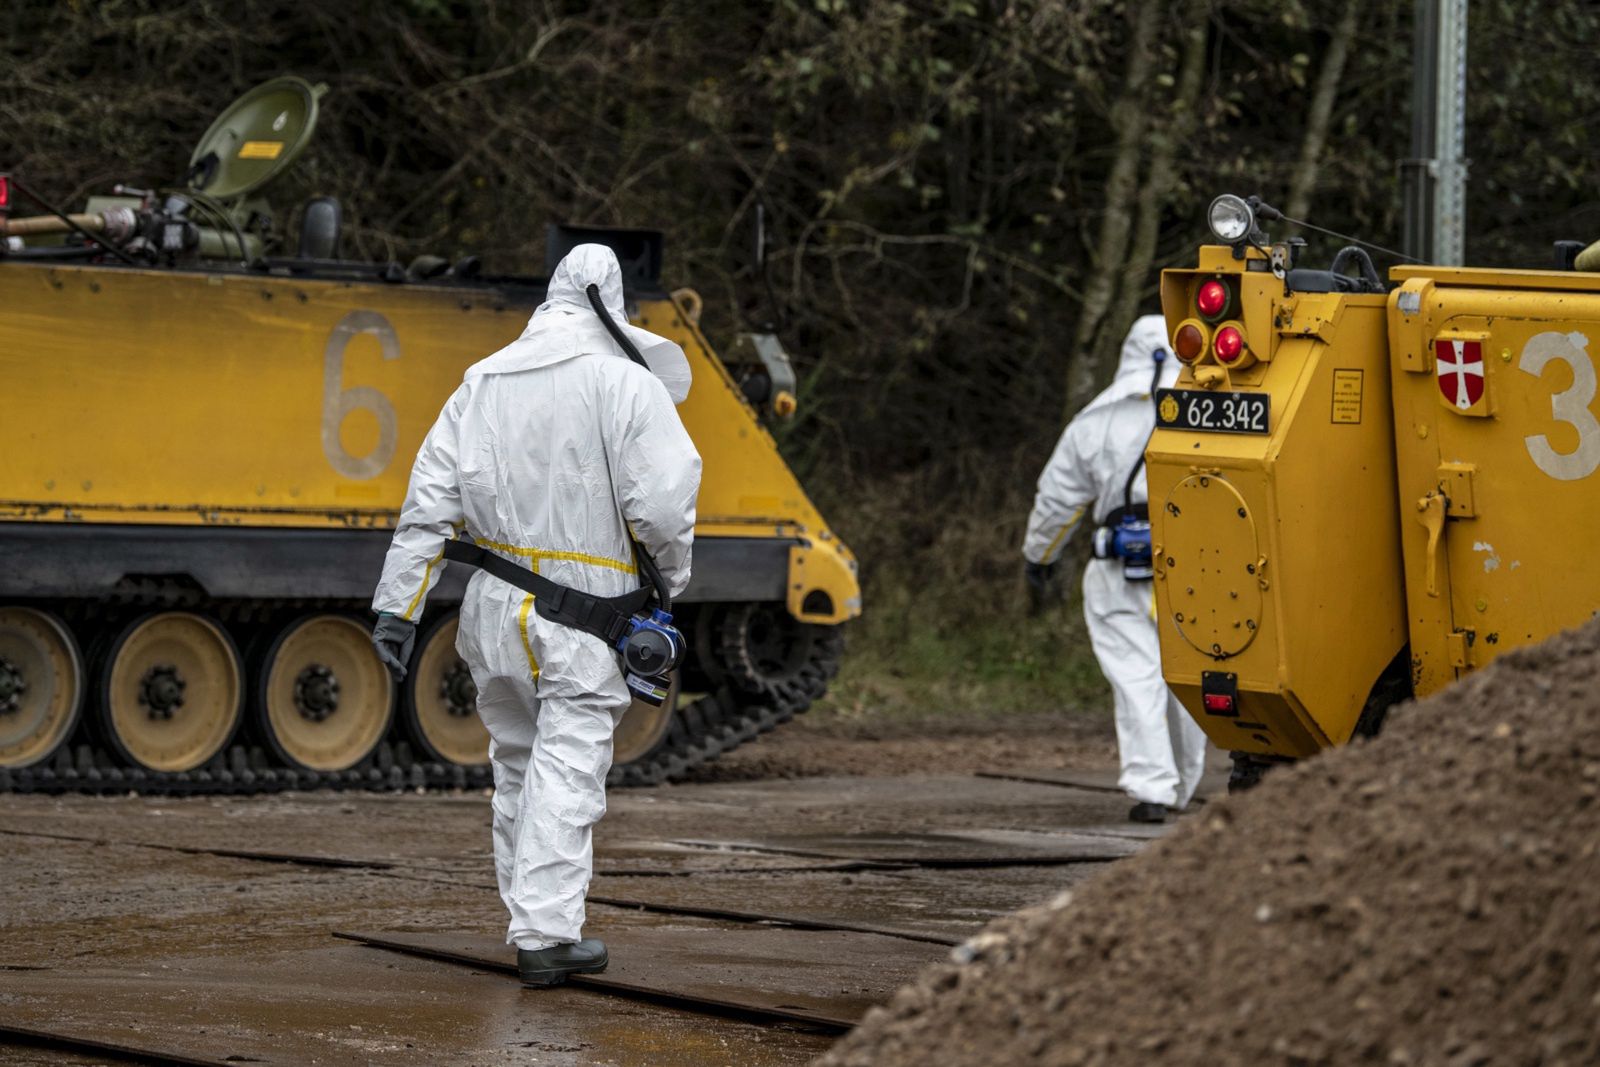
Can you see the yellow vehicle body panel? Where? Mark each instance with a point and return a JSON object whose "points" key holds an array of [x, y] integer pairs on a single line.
{"points": [[193, 398], [1514, 476], [1282, 544], [1430, 484]]}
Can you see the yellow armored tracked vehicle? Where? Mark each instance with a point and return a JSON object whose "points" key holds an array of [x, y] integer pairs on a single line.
{"points": [[207, 442], [1362, 491]]}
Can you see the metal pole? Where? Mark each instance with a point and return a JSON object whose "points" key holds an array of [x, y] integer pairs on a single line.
{"points": [[1450, 194], [1417, 172], [1435, 176]]}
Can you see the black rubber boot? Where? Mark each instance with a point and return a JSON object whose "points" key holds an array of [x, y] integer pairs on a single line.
{"points": [[1147, 812], [550, 966]]}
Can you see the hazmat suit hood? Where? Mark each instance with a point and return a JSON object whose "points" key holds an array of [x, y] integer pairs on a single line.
{"points": [[1137, 363], [565, 326]]}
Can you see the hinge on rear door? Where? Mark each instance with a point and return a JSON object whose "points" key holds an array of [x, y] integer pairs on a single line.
{"points": [[1459, 645]]}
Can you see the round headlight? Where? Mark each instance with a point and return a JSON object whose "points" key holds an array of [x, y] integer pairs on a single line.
{"points": [[1231, 218]]}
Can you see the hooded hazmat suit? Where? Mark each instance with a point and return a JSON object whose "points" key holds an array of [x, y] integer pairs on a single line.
{"points": [[1161, 746], [542, 454]]}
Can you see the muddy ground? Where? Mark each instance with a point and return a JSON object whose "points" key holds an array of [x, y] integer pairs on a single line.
{"points": [[1430, 898], [817, 745], [202, 928]]}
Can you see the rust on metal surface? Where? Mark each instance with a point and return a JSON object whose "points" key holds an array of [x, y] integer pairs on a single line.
{"points": [[974, 848], [817, 978], [1097, 780], [257, 855], [122, 1050], [1104, 779], [842, 866], [341, 1005], [798, 922]]}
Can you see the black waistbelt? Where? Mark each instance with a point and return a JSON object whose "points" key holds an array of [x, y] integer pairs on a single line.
{"points": [[603, 617], [1139, 511]]}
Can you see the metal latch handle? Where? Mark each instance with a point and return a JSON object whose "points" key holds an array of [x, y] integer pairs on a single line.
{"points": [[1433, 509]]}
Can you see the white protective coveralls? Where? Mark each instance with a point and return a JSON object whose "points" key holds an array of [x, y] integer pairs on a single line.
{"points": [[541, 454], [1162, 748]]}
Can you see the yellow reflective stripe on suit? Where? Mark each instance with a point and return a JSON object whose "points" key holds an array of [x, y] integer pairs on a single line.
{"points": [[522, 626], [536, 555], [422, 590], [1066, 528]]}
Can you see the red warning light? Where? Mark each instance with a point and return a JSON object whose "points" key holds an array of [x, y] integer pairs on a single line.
{"points": [[1219, 703], [1229, 344], [1212, 299], [5, 193]]}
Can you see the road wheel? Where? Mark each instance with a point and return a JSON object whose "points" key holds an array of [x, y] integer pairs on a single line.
{"points": [[41, 686], [325, 700], [172, 691], [643, 727], [440, 705]]}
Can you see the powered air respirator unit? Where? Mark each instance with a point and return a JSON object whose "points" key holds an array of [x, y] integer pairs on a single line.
{"points": [[1125, 533]]}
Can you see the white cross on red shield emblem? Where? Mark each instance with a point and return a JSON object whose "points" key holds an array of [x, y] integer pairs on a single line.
{"points": [[1459, 366]]}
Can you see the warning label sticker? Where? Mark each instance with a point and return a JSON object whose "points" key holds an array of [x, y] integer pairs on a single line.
{"points": [[1347, 396], [261, 150]]}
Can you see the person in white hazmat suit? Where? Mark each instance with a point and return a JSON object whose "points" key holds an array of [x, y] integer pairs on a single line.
{"points": [[1162, 749], [548, 453]]}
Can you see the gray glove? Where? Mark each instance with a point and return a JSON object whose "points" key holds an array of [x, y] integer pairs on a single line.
{"points": [[1040, 579], [393, 638]]}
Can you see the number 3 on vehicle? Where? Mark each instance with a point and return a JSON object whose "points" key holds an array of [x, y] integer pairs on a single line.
{"points": [[1570, 406]]}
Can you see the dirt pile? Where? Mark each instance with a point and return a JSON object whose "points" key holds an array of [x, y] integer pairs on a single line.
{"points": [[1432, 897]]}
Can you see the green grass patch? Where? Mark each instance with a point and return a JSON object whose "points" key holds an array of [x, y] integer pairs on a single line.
{"points": [[902, 664]]}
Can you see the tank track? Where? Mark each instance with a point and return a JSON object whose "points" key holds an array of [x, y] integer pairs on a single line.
{"points": [[746, 694], [86, 768]]}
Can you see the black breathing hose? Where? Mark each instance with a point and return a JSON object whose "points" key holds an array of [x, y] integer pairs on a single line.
{"points": [[622, 339], [647, 563]]}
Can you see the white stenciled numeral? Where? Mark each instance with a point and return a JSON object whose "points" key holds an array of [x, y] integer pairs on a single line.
{"points": [[1570, 406], [338, 404]]}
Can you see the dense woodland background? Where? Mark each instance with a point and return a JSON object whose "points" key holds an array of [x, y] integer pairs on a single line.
{"points": [[968, 201]]}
